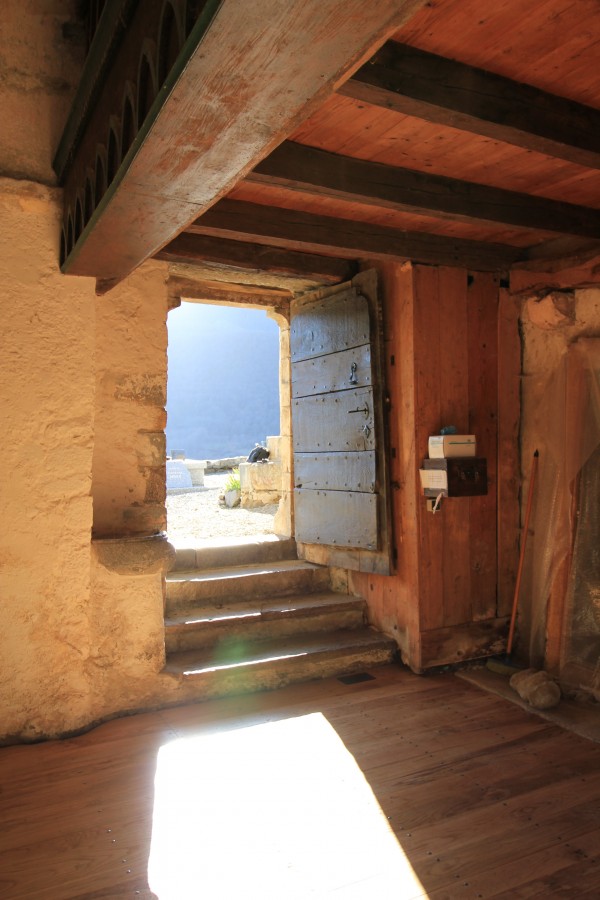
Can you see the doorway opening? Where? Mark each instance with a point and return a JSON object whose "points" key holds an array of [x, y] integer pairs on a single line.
{"points": [[223, 402]]}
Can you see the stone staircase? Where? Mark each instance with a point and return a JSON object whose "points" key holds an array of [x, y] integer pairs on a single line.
{"points": [[252, 616]]}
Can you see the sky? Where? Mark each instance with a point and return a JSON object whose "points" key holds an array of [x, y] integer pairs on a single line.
{"points": [[223, 380]]}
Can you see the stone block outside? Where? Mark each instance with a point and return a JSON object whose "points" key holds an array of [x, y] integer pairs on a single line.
{"points": [[196, 468], [261, 481]]}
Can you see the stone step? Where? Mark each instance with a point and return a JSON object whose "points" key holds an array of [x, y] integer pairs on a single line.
{"points": [[274, 579], [237, 552], [228, 623], [272, 664]]}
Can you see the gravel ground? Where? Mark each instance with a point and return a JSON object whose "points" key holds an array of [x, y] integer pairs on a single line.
{"points": [[196, 516]]}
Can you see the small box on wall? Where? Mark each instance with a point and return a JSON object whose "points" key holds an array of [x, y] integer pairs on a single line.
{"points": [[434, 482], [444, 446], [454, 477]]}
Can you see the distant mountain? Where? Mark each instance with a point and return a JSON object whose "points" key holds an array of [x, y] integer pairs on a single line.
{"points": [[223, 380]]}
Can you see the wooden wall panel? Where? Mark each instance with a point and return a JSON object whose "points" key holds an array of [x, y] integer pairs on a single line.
{"points": [[456, 370], [393, 600], [454, 410], [456, 365], [398, 290], [442, 369], [509, 475], [482, 355], [428, 413], [457, 643]]}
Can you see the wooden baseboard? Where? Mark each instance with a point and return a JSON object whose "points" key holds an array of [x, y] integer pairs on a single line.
{"points": [[459, 643]]}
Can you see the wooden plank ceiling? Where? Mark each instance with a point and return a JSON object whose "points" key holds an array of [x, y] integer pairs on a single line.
{"points": [[298, 138], [471, 137], [180, 98]]}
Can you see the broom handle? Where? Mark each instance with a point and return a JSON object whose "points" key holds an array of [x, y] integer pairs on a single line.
{"points": [[513, 618]]}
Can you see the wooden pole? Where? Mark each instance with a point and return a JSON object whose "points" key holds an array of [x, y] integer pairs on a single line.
{"points": [[513, 618]]}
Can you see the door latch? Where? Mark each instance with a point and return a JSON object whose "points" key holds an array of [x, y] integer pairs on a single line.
{"points": [[363, 409]]}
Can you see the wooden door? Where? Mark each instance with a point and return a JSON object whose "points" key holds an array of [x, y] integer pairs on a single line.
{"points": [[338, 432]]}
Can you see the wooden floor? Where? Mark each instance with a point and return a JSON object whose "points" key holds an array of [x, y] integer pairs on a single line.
{"points": [[399, 786]]}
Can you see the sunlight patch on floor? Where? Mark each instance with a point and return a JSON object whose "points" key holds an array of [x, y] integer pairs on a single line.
{"points": [[277, 811]]}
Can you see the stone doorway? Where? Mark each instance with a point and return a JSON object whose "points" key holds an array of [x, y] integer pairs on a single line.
{"points": [[227, 392]]}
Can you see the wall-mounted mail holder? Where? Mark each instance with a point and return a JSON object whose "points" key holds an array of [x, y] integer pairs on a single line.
{"points": [[454, 477]]}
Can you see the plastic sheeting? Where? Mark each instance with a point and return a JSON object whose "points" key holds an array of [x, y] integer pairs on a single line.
{"points": [[564, 609]]}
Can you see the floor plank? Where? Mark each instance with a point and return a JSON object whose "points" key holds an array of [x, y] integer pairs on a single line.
{"points": [[402, 785]]}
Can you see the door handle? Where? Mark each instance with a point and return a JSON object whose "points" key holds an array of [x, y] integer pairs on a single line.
{"points": [[363, 409]]}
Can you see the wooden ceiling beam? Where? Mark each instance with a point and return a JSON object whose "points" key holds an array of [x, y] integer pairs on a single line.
{"points": [[182, 288], [416, 83], [246, 76], [559, 253], [300, 231], [540, 279], [194, 248], [562, 264], [308, 170]]}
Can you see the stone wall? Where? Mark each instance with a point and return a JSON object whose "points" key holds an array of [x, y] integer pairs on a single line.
{"points": [[83, 391], [48, 419], [261, 482], [84, 381], [42, 48], [131, 380], [129, 490], [47, 389]]}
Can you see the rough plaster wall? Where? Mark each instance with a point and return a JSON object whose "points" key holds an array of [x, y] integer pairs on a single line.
{"points": [[83, 392], [543, 348], [131, 371], [126, 618], [47, 415], [127, 641], [78, 642], [41, 55]]}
